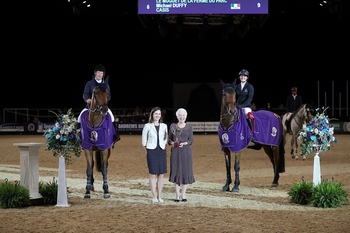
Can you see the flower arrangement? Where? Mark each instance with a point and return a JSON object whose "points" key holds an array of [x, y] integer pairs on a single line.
{"points": [[64, 137], [317, 134]]}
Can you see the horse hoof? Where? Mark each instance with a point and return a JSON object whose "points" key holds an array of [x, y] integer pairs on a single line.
{"points": [[226, 188], [304, 158], [106, 195], [273, 185], [235, 190], [293, 156], [87, 196]]}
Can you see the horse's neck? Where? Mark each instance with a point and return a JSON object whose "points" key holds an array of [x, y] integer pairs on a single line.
{"points": [[227, 121], [95, 118]]}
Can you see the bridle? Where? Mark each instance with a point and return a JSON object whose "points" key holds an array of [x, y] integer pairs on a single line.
{"points": [[306, 113], [226, 103], [99, 109]]}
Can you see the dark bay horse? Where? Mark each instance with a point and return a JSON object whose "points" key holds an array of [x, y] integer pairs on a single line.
{"points": [[296, 120], [235, 135], [98, 137]]}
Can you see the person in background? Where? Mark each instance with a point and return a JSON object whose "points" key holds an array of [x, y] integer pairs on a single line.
{"points": [[268, 107], [294, 101], [253, 106], [154, 141], [244, 96], [181, 165]]}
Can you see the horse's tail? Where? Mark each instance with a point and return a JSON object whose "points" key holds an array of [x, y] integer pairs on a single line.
{"points": [[99, 160], [281, 160]]}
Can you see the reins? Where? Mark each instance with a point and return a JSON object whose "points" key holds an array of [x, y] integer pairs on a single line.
{"points": [[227, 112], [97, 109]]}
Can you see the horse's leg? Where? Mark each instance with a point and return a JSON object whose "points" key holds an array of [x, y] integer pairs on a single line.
{"points": [[272, 152], [292, 152], [92, 173], [297, 148], [237, 167], [227, 154], [295, 145], [89, 164], [105, 156]]}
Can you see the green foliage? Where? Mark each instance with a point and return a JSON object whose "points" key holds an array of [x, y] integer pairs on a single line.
{"points": [[13, 195], [301, 193], [64, 137], [327, 194], [49, 191]]}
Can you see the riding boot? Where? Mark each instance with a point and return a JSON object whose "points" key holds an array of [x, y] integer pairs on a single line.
{"points": [[251, 122]]}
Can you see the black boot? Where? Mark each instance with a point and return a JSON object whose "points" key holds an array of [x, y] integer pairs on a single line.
{"points": [[250, 123]]}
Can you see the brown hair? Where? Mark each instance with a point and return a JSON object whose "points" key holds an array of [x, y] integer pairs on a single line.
{"points": [[150, 120]]}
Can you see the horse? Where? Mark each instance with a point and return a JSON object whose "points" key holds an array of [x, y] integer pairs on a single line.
{"points": [[296, 120], [98, 137], [235, 135]]}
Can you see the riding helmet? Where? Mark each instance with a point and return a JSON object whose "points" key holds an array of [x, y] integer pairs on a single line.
{"points": [[243, 72], [294, 89], [100, 67]]}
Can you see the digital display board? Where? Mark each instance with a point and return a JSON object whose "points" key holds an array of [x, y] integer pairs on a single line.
{"points": [[203, 7]]}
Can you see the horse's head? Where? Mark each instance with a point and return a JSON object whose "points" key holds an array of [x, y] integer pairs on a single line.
{"points": [[100, 99], [309, 112], [228, 101]]}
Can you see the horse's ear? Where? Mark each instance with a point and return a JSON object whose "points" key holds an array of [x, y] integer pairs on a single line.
{"points": [[222, 84], [234, 83], [107, 80]]}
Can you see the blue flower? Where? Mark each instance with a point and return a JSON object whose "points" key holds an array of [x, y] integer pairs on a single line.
{"points": [[317, 135], [64, 138]]}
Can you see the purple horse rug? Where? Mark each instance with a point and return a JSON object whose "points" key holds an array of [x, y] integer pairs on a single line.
{"points": [[267, 131], [103, 136]]}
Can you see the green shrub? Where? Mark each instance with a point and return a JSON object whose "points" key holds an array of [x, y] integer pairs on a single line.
{"points": [[301, 193], [49, 191], [13, 195], [327, 194]]}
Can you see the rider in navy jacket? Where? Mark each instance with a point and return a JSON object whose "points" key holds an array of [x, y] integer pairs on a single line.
{"points": [[98, 77]]}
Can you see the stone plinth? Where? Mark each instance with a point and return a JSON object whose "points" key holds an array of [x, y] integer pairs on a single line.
{"points": [[29, 159]]}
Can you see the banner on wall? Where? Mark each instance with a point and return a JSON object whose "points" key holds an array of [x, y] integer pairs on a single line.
{"points": [[130, 128]]}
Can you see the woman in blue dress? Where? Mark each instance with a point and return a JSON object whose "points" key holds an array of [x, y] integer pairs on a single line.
{"points": [[154, 140]]}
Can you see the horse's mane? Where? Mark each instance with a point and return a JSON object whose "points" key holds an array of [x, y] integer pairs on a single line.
{"points": [[306, 105]]}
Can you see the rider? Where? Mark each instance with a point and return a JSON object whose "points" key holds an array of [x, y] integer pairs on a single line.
{"points": [[244, 96], [294, 101], [98, 77]]}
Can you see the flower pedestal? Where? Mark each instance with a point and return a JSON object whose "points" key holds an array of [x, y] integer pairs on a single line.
{"points": [[317, 170], [62, 198], [317, 178]]}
